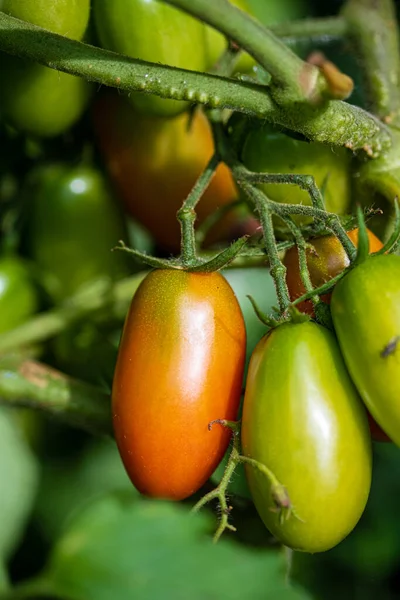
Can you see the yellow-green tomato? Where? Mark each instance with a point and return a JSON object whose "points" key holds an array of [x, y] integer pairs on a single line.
{"points": [[270, 151], [216, 43], [41, 101], [366, 314], [303, 419], [18, 296], [66, 17], [156, 32]]}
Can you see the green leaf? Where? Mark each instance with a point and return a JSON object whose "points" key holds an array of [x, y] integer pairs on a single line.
{"points": [[66, 488], [19, 480], [152, 550]]}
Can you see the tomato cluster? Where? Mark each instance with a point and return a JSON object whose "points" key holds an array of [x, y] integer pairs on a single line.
{"points": [[182, 355], [303, 413]]}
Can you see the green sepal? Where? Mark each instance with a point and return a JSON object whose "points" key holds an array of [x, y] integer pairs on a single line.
{"points": [[267, 320], [222, 259]]}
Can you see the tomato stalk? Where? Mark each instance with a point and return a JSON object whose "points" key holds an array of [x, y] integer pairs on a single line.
{"points": [[293, 79], [277, 268], [187, 216], [279, 493], [318, 31], [34, 385], [303, 266], [335, 123]]}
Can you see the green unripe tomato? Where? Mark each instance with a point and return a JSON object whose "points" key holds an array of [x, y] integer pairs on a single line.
{"points": [[18, 296], [269, 151], [66, 17], [303, 419], [39, 100], [35, 99], [365, 309], [73, 227], [156, 32]]}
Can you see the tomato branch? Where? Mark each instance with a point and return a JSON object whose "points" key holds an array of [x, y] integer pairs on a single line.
{"points": [[335, 123], [317, 31], [31, 384], [294, 79], [373, 28]]}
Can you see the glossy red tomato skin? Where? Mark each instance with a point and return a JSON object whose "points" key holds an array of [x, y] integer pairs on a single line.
{"points": [[329, 260], [154, 163], [303, 419], [365, 310], [180, 366]]}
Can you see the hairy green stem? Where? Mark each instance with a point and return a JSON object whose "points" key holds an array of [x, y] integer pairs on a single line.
{"points": [[304, 182], [302, 252], [295, 79], [315, 30], [187, 215], [31, 384], [277, 268], [373, 26], [335, 123]]}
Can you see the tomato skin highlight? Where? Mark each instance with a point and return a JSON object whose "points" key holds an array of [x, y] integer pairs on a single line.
{"points": [[154, 164], [303, 419], [180, 366], [329, 260], [365, 309]]}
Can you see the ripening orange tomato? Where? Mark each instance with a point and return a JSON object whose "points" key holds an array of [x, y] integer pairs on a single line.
{"points": [[180, 366], [328, 260], [154, 163]]}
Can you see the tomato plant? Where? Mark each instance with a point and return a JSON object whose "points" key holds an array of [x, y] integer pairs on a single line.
{"points": [[325, 260], [303, 419], [269, 150], [366, 314], [156, 32], [160, 160], [36, 99], [157, 117], [179, 367], [73, 226]]}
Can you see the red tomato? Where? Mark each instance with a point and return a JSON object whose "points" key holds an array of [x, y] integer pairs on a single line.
{"points": [[180, 366], [329, 260], [154, 163]]}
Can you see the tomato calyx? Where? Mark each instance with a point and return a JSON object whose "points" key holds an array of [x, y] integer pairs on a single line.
{"points": [[196, 265], [267, 320]]}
